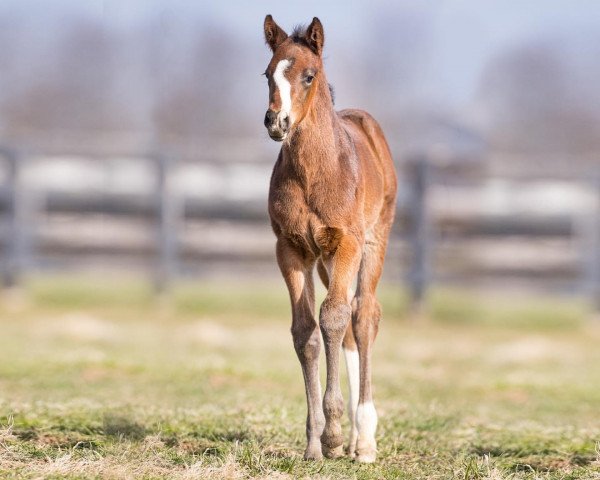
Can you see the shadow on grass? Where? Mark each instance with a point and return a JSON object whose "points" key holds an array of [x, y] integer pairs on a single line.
{"points": [[538, 460], [120, 426], [224, 434]]}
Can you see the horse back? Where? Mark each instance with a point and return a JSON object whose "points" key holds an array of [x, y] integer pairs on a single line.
{"points": [[373, 152]]}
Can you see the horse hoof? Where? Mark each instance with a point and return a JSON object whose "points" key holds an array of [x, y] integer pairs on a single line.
{"points": [[366, 456], [335, 452], [313, 453]]}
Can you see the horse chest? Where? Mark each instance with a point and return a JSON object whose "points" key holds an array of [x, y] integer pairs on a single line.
{"points": [[301, 220]]}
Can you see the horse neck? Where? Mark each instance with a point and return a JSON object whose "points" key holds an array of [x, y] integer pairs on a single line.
{"points": [[312, 149]]}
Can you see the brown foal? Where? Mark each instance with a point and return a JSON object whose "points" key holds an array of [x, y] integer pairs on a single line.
{"points": [[331, 202]]}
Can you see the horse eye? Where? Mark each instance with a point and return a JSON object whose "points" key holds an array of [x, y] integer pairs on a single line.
{"points": [[309, 79]]}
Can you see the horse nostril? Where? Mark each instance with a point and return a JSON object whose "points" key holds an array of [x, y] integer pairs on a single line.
{"points": [[285, 122], [270, 118]]}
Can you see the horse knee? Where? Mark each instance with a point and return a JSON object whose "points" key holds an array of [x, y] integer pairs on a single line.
{"points": [[306, 341], [334, 318]]}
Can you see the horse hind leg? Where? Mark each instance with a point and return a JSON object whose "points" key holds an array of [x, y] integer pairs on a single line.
{"points": [[365, 328], [365, 324]]}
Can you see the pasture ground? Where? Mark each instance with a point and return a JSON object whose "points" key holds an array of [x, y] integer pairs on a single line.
{"points": [[100, 380]]}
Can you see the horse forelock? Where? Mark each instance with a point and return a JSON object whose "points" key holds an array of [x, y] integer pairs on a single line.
{"points": [[298, 34]]}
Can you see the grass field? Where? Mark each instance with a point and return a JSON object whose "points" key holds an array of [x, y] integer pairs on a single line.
{"points": [[103, 381]]}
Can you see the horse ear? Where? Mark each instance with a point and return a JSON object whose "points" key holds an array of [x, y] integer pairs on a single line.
{"points": [[315, 36], [274, 34]]}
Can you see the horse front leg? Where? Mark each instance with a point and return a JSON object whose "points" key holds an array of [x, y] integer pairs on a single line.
{"points": [[334, 320], [297, 272], [352, 367]]}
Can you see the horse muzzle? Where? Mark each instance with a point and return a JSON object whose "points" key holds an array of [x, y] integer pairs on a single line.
{"points": [[278, 125]]}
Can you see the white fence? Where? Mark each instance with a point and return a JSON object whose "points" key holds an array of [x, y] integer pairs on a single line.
{"points": [[168, 218]]}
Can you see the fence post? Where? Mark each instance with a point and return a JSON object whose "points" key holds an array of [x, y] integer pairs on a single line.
{"points": [[167, 220], [18, 244], [589, 242], [418, 275], [594, 268], [9, 262]]}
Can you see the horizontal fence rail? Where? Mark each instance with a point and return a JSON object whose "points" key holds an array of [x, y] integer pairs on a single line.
{"points": [[441, 235]]}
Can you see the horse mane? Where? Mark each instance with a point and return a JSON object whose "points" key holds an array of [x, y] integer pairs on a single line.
{"points": [[332, 93]]}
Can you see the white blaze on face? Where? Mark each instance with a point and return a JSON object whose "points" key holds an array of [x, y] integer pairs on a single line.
{"points": [[285, 89]]}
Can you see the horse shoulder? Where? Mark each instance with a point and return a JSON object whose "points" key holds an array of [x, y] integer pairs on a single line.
{"points": [[287, 206]]}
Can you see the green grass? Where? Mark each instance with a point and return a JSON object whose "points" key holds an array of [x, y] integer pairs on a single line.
{"points": [[101, 380]]}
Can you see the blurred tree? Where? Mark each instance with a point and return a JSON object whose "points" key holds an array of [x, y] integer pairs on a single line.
{"points": [[73, 91], [391, 79], [198, 100], [396, 55], [533, 103]]}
